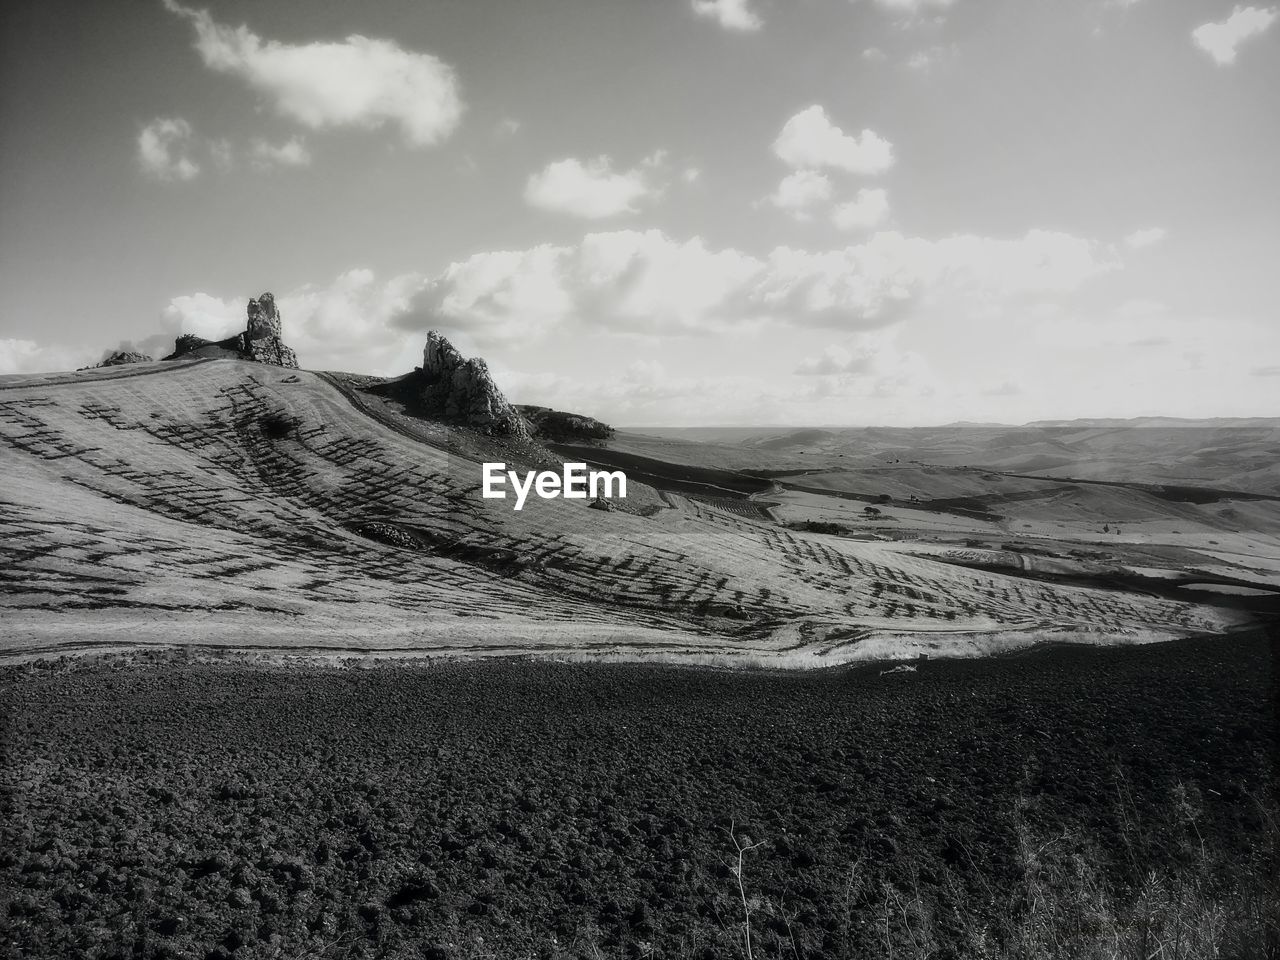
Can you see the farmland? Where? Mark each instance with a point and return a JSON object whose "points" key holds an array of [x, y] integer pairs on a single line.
{"points": [[170, 808], [222, 504]]}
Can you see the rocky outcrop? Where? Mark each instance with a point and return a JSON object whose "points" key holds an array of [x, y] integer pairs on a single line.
{"points": [[271, 350], [462, 391], [260, 341], [264, 318], [120, 357], [262, 335], [560, 427], [188, 343]]}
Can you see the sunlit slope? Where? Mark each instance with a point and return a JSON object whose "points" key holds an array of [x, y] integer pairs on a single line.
{"points": [[235, 504]]}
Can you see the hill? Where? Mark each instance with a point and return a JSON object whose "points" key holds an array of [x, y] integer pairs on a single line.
{"points": [[231, 504], [1227, 454]]}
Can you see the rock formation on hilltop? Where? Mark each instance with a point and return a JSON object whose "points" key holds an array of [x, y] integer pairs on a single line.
{"points": [[561, 427], [262, 336], [260, 341], [264, 318], [120, 357], [462, 390]]}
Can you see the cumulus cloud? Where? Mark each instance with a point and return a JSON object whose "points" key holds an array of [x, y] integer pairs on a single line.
{"points": [[1146, 237], [267, 156], [591, 189], [357, 82], [730, 14], [164, 147], [1220, 40], [867, 210], [343, 325], [799, 191], [809, 140], [645, 282], [204, 316]]}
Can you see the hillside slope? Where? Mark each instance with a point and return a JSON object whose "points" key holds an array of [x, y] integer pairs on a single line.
{"points": [[233, 504]]}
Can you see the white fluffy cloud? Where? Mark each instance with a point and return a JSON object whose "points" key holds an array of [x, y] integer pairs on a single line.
{"points": [[641, 283], [344, 325], [198, 313], [648, 283], [266, 156], [809, 140], [1220, 40], [164, 148], [801, 190], [867, 210], [730, 14], [1146, 237], [591, 189], [356, 82]]}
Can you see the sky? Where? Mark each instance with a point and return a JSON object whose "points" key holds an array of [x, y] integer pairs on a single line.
{"points": [[669, 212]]}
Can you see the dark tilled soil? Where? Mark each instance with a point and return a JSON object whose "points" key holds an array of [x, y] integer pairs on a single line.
{"points": [[193, 810]]}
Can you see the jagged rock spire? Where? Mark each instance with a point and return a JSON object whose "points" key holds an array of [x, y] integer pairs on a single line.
{"points": [[463, 391]]}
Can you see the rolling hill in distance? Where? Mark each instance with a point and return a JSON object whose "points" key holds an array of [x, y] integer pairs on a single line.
{"points": [[260, 507]]}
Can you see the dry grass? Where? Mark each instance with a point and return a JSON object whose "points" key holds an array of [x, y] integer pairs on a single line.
{"points": [[1173, 896]]}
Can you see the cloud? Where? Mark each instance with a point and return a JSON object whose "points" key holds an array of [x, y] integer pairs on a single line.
{"points": [[357, 82], [163, 149], [730, 14], [1219, 40], [346, 324], [809, 140], [869, 365], [591, 190], [923, 61], [506, 128], [209, 317], [867, 210], [222, 153], [647, 283], [1147, 237], [268, 156], [915, 13], [834, 360], [799, 191], [914, 6], [640, 284], [627, 281], [27, 356]]}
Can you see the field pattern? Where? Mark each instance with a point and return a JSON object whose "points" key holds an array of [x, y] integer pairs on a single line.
{"points": [[233, 504]]}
